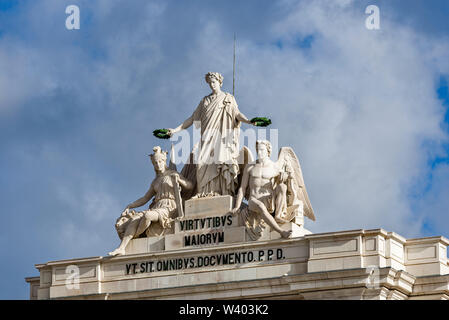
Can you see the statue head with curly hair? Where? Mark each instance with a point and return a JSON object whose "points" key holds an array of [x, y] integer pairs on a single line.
{"points": [[215, 80], [263, 143]]}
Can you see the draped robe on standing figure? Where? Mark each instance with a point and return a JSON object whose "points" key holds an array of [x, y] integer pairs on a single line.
{"points": [[216, 159]]}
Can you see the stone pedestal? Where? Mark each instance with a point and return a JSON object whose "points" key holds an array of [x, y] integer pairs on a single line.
{"points": [[209, 256], [143, 245], [210, 206], [207, 222], [356, 264]]}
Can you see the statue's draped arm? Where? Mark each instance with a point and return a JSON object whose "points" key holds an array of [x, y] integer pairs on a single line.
{"points": [[184, 183], [141, 201], [189, 121], [239, 116], [242, 118]]}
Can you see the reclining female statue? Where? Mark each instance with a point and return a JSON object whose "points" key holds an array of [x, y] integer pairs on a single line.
{"points": [[163, 209]]}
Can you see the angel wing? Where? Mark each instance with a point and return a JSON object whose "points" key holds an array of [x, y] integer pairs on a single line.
{"points": [[245, 157], [288, 161]]}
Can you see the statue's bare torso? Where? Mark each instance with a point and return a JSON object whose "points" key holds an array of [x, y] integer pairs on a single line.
{"points": [[261, 181], [259, 177]]}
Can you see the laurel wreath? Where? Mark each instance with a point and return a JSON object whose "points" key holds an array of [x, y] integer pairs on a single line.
{"points": [[161, 134], [261, 121]]}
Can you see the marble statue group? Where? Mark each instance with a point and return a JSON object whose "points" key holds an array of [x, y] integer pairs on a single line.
{"points": [[274, 190]]}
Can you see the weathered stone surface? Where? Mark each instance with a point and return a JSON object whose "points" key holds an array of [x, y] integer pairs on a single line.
{"points": [[208, 206], [143, 245], [193, 224], [354, 264]]}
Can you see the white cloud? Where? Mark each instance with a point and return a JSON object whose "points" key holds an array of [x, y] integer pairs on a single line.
{"points": [[356, 107], [435, 203]]}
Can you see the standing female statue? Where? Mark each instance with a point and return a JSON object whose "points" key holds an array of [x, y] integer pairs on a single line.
{"points": [[218, 116], [163, 209]]}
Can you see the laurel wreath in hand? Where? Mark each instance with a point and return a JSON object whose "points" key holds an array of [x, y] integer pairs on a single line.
{"points": [[261, 121]]}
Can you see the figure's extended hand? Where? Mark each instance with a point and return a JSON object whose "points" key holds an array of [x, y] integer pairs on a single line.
{"points": [[171, 132], [235, 211]]}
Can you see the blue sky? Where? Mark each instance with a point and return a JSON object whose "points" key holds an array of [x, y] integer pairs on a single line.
{"points": [[366, 111]]}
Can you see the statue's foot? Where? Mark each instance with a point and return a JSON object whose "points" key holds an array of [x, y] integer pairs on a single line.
{"points": [[286, 234], [117, 252]]}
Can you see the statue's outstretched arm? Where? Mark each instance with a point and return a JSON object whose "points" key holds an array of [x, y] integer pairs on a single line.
{"points": [[242, 118], [187, 123], [141, 201]]}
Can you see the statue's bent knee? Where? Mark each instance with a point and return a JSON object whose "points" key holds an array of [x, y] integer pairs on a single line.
{"points": [[150, 215]]}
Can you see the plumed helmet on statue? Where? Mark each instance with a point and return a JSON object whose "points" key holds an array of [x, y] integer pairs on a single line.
{"points": [[214, 75], [158, 154]]}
